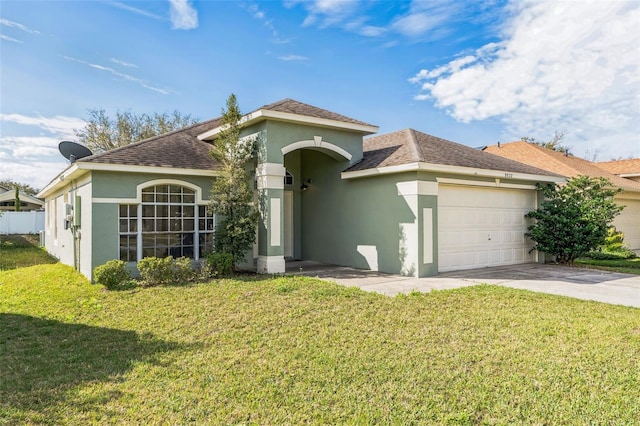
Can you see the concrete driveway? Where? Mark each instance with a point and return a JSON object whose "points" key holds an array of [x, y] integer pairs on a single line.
{"points": [[587, 284]]}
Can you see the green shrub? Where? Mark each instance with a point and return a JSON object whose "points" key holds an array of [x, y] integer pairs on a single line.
{"points": [[113, 275], [623, 253], [221, 264], [181, 270], [164, 271]]}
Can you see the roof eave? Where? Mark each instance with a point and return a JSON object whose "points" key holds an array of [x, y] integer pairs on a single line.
{"points": [[264, 114], [457, 170]]}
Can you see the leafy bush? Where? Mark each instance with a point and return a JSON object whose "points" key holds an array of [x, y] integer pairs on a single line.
{"points": [[181, 270], [113, 275], [221, 263], [164, 271], [574, 218], [623, 253]]}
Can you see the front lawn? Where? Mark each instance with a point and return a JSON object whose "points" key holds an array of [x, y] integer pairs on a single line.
{"points": [[627, 266], [297, 350]]}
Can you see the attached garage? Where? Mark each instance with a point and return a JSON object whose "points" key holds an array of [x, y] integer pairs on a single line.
{"points": [[481, 226], [629, 222]]}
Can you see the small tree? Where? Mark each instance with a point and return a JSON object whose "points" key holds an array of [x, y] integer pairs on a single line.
{"points": [[574, 218], [231, 193], [555, 144], [16, 201], [103, 133]]}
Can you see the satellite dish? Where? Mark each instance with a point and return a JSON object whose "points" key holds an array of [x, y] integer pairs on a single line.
{"points": [[73, 151]]}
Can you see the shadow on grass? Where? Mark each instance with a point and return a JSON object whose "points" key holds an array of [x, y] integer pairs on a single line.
{"points": [[41, 360]]}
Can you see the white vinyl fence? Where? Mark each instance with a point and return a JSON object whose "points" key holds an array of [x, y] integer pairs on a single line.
{"points": [[22, 222]]}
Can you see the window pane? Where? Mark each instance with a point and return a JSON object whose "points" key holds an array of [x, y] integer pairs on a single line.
{"points": [[175, 198], [148, 211], [147, 198], [175, 211], [162, 198], [175, 189], [162, 210], [133, 210], [133, 225], [123, 210], [162, 189], [162, 224], [188, 211], [187, 225], [188, 198], [148, 225]]}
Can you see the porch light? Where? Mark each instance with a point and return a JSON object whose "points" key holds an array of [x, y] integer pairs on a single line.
{"points": [[305, 184]]}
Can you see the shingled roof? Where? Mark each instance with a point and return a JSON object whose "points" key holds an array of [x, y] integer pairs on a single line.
{"points": [[411, 146], [630, 166], [177, 149], [294, 107], [182, 148], [557, 162]]}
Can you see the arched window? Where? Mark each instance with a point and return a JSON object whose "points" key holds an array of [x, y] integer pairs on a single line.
{"points": [[168, 222]]}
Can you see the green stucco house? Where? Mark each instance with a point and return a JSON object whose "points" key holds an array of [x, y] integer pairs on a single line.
{"points": [[405, 202]]}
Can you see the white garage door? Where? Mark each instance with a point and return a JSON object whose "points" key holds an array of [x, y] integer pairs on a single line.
{"points": [[480, 227], [629, 222]]}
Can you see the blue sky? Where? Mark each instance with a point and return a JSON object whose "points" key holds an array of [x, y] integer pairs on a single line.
{"points": [[472, 72]]}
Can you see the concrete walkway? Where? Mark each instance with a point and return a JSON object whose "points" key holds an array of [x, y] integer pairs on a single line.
{"points": [[587, 284]]}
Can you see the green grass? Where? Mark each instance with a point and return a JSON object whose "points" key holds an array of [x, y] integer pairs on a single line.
{"points": [[627, 266], [296, 350], [17, 251]]}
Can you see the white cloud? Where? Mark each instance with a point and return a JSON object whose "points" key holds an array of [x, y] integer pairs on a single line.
{"points": [[432, 18], [183, 15], [296, 58], [127, 77], [34, 173], [60, 125], [12, 24], [123, 63], [135, 10], [559, 65], [35, 159], [4, 37]]}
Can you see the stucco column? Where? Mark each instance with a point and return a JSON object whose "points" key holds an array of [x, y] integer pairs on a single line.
{"points": [[418, 242], [270, 179]]}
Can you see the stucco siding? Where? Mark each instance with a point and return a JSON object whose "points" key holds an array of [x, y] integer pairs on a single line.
{"points": [[280, 135], [357, 223]]}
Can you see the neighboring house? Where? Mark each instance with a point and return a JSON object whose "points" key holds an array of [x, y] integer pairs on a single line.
{"points": [[569, 166], [404, 202], [27, 202], [628, 169]]}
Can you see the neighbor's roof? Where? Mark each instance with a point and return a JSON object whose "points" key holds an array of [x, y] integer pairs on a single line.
{"points": [[10, 196], [630, 166], [411, 146], [557, 162]]}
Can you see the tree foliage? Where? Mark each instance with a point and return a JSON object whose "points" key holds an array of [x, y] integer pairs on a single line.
{"points": [[574, 218], [554, 144], [24, 188], [103, 133], [231, 193]]}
